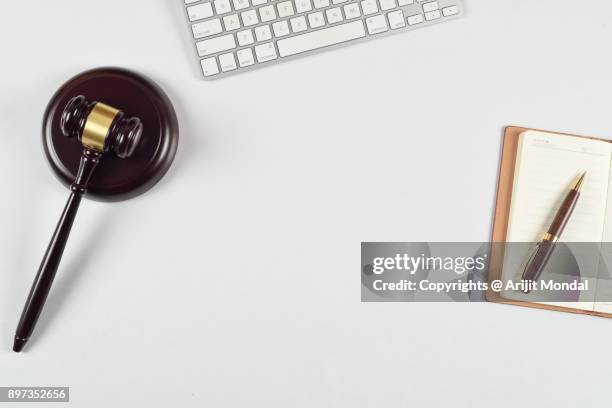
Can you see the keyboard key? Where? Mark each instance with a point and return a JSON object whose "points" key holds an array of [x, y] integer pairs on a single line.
{"points": [[339, 1], [303, 6], [265, 52], [258, 2], [285, 9], [267, 13], [222, 6], [450, 11], [209, 66], [231, 22], [321, 3], [227, 62], [433, 15], [263, 33], [416, 19], [199, 12], [352, 11], [206, 28], [321, 38], [427, 7], [241, 4], [298, 24], [280, 28], [396, 19], [377, 24], [245, 57], [387, 4], [369, 7], [191, 1], [217, 44], [249, 18], [316, 19], [404, 2], [334, 15], [245, 37]]}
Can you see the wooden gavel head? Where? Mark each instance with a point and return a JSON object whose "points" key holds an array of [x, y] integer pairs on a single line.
{"points": [[101, 127]]}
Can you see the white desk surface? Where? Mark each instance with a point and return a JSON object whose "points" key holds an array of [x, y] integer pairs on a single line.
{"points": [[234, 281]]}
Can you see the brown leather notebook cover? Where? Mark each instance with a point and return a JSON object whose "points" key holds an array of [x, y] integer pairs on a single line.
{"points": [[502, 212]]}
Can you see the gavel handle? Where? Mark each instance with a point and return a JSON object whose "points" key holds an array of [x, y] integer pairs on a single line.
{"points": [[50, 262]]}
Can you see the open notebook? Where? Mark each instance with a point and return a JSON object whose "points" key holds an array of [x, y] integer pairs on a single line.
{"points": [[537, 170]]}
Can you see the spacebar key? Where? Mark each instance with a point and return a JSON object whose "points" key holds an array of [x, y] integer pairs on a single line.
{"points": [[322, 38]]}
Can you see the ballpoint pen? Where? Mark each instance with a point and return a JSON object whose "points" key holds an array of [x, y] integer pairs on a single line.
{"points": [[544, 249]]}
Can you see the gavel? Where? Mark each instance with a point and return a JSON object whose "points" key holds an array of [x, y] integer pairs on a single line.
{"points": [[101, 129]]}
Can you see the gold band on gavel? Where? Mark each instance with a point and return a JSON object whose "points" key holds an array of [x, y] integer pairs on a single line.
{"points": [[97, 125]]}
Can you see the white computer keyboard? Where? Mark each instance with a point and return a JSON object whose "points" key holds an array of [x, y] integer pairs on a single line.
{"points": [[232, 36]]}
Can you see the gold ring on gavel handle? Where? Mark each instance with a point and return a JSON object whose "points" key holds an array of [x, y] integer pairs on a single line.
{"points": [[97, 126]]}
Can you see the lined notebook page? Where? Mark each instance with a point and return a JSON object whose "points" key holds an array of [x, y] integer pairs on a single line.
{"points": [[546, 166], [604, 284]]}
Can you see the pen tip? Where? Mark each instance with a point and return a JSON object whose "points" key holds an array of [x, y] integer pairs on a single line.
{"points": [[18, 344], [578, 184]]}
